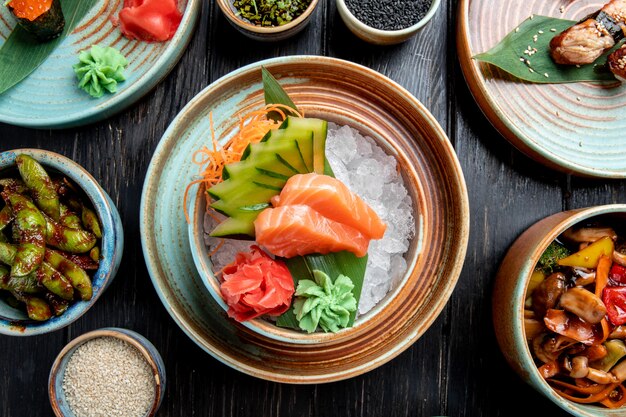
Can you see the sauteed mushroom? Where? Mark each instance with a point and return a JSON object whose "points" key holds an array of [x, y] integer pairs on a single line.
{"points": [[547, 294], [584, 304], [588, 234]]}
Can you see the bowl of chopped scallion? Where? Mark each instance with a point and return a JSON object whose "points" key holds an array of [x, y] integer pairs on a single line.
{"points": [[268, 20]]}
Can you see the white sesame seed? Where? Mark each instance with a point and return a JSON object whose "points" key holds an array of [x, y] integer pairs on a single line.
{"points": [[531, 70], [553, 30], [558, 114], [516, 29], [540, 32], [528, 62], [577, 98], [545, 74], [532, 16], [522, 59], [108, 377], [577, 65], [562, 9]]}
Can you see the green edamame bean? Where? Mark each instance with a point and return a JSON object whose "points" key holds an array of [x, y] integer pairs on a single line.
{"points": [[28, 283], [37, 180], [36, 308], [76, 275], [6, 216], [90, 221], [55, 282], [68, 218], [69, 240], [30, 227]]}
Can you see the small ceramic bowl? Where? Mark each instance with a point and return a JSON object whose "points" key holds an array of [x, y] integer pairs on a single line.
{"points": [[510, 293], [383, 37], [14, 321], [55, 382], [262, 33]]}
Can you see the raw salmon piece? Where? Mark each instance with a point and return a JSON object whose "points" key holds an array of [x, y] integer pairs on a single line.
{"points": [[333, 200], [288, 231]]}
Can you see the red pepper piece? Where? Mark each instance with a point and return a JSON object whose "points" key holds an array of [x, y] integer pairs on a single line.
{"points": [[614, 299], [618, 274]]}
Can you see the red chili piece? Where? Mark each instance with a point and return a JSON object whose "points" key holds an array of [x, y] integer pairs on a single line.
{"points": [[614, 299], [617, 274]]}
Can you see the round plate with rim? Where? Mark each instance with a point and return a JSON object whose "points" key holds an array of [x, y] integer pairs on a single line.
{"points": [[50, 98], [340, 92], [576, 128]]}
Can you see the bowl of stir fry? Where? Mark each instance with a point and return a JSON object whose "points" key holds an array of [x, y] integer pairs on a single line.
{"points": [[566, 335], [61, 241]]}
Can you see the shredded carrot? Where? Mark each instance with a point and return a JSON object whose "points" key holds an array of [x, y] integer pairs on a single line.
{"points": [[588, 389], [593, 398], [217, 247], [253, 127], [602, 279], [621, 400]]}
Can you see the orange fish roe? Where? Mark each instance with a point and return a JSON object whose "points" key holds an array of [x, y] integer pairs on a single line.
{"points": [[30, 9]]}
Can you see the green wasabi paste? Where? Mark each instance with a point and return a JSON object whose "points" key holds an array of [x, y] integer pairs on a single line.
{"points": [[99, 70], [324, 303]]}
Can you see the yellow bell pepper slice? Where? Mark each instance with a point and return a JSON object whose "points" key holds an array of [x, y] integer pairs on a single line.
{"points": [[589, 256]]}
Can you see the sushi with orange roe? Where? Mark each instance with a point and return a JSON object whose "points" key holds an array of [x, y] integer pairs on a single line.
{"points": [[42, 18]]}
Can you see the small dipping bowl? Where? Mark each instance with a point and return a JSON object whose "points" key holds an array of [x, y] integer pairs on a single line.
{"points": [[383, 37], [510, 293], [14, 321], [266, 33], [147, 350]]}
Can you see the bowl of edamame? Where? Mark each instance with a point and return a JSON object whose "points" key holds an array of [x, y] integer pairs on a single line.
{"points": [[61, 241]]}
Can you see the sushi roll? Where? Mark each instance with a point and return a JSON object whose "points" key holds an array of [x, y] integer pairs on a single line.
{"points": [[617, 63], [586, 41], [43, 18]]}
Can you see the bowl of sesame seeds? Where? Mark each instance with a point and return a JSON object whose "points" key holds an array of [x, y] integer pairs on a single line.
{"points": [[107, 372], [386, 22]]}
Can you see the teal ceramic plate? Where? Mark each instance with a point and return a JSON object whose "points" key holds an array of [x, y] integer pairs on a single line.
{"points": [[344, 93], [577, 128], [49, 98]]}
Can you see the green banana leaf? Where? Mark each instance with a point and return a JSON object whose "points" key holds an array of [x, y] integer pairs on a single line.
{"points": [[512, 55], [21, 54]]}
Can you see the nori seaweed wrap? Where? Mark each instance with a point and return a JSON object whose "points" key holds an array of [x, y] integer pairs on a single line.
{"points": [[43, 18]]}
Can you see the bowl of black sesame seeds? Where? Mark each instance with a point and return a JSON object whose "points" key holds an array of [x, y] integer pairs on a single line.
{"points": [[268, 20], [107, 372], [386, 22]]}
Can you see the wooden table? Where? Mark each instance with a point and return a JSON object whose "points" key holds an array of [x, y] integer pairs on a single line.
{"points": [[455, 369]]}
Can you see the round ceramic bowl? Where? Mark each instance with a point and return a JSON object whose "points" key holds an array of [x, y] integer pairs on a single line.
{"points": [[383, 37], [14, 321], [55, 381], [348, 94], [272, 33], [510, 293]]}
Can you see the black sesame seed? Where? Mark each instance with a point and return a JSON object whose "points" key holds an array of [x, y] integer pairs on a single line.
{"points": [[389, 14]]}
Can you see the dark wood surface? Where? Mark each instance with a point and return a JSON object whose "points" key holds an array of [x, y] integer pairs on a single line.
{"points": [[455, 369]]}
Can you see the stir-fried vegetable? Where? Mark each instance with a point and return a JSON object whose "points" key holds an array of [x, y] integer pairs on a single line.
{"points": [[576, 306]]}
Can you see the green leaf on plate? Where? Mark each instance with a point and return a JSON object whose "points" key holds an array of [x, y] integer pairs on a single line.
{"points": [[516, 55], [333, 264], [21, 54], [274, 94]]}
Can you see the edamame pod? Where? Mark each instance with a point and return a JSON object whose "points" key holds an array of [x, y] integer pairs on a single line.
{"points": [[94, 254], [37, 180], [68, 218], [69, 240], [27, 284], [76, 275], [36, 308], [58, 305], [13, 185], [30, 228], [3, 238], [55, 282], [90, 222], [6, 216], [7, 253]]}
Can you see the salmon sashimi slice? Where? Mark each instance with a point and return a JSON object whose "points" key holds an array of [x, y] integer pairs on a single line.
{"points": [[333, 200], [289, 231]]}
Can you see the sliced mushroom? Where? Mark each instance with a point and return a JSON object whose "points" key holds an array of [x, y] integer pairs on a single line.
{"points": [[619, 371], [619, 258], [618, 333], [601, 377], [570, 326], [548, 348], [588, 234], [580, 367], [533, 328], [584, 277], [548, 370], [584, 304], [547, 294]]}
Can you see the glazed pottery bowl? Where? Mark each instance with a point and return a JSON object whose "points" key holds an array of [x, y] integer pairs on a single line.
{"points": [[15, 321], [348, 94], [510, 293], [383, 37], [147, 350], [266, 33]]}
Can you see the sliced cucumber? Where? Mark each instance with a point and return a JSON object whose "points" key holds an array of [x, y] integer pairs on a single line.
{"points": [[319, 128]]}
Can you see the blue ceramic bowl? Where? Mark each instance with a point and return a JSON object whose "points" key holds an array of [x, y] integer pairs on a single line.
{"points": [[14, 321], [143, 345]]}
